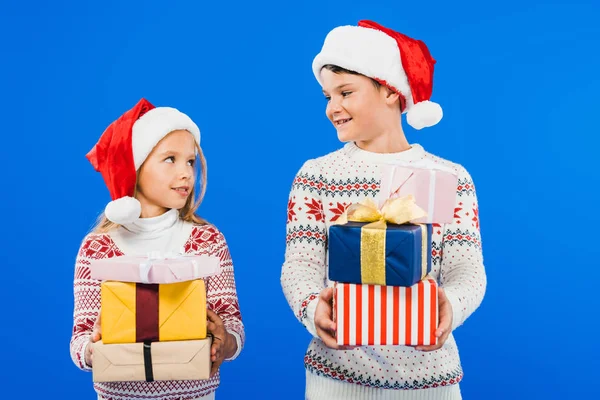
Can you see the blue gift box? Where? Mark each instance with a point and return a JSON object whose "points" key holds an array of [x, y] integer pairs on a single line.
{"points": [[398, 255]]}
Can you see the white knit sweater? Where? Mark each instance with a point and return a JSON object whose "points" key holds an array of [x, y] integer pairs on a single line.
{"points": [[322, 190]]}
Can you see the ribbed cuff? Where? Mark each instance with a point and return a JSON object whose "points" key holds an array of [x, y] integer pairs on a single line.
{"points": [[238, 340], [82, 344], [321, 388], [309, 322], [457, 314]]}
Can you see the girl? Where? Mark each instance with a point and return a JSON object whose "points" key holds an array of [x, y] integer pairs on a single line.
{"points": [[147, 158], [370, 75]]}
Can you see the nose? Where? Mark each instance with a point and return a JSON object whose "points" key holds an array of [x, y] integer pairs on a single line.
{"points": [[334, 106], [186, 171]]}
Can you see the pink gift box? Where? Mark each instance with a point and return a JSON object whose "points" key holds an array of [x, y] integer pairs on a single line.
{"points": [[434, 190], [155, 269]]}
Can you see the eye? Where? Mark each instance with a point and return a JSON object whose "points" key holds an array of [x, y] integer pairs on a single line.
{"points": [[346, 93], [170, 159], [191, 162], [328, 98]]}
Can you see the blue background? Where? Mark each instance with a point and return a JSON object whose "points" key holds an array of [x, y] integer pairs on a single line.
{"points": [[518, 84]]}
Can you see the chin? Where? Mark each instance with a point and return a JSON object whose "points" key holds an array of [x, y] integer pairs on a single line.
{"points": [[345, 137], [174, 205], [178, 206]]}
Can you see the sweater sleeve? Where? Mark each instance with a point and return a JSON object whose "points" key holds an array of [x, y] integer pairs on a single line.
{"points": [[463, 274], [303, 273], [86, 307], [221, 294]]}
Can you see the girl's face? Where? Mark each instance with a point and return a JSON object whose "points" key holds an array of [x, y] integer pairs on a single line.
{"points": [[357, 109], [167, 177]]}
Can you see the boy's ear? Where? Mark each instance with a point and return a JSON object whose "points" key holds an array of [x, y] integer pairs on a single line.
{"points": [[391, 97]]}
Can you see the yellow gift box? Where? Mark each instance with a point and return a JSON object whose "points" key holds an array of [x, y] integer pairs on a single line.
{"points": [[138, 312]]}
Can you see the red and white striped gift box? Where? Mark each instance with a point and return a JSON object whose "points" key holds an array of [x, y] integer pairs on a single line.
{"points": [[371, 315]]}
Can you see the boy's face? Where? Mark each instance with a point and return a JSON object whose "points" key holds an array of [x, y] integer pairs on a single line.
{"points": [[166, 178], [354, 105]]}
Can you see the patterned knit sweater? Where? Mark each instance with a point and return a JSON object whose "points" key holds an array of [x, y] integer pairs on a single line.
{"points": [[221, 297], [322, 190]]}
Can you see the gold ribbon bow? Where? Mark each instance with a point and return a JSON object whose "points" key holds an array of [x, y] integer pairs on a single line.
{"points": [[398, 211]]}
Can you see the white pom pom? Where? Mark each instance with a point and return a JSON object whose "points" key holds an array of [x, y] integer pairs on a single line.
{"points": [[123, 211], [424, 114]]}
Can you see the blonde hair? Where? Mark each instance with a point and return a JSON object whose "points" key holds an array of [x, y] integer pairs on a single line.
{"points": [[186, 213]]}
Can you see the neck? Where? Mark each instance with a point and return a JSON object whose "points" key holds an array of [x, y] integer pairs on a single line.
{"points": [[154, 225], [151, 210], [164, 233], [390, 140]]}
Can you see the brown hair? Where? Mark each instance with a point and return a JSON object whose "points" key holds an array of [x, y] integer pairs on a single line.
{"points": [[339, 70], [186, 213]]}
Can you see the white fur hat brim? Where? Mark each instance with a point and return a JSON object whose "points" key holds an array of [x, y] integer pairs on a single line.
{"points": [[157, 123]]}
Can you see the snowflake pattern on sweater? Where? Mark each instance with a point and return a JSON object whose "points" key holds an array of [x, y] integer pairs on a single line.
{"points": [[221, 297], [321, 192]]}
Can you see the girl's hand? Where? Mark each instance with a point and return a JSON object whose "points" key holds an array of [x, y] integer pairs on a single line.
{"points": [[445, 325], [223, 345], [96, 336]]}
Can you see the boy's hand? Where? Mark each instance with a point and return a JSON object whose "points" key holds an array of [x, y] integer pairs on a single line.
{"points": [[445, 325], [324, 319]]}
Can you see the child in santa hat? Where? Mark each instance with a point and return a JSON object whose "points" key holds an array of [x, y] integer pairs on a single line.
{"points": [[149, 161], [370, 76]]}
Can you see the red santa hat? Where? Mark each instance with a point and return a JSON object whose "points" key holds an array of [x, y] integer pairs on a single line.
{"points": [[123, 148], [401, 63]]}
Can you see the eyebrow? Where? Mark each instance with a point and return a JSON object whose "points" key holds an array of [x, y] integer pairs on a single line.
{"points": [[175, 153], [340, 86]]}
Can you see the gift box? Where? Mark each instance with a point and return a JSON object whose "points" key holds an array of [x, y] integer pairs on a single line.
{"points": [[372, 315], [434, 190], [159, 361], [155, 268], [390, 254], [139, 312]]}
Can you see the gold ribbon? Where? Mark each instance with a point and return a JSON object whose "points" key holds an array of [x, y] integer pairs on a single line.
{"points": [[372, 241]]}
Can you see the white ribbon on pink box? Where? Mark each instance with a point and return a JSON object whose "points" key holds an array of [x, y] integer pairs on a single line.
{"points": [[156, 268], [434, 190]]}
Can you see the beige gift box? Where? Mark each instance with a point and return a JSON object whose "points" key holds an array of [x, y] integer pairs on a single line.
{"points": [[157, 361]]}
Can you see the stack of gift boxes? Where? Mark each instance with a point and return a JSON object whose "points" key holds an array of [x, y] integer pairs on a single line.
{"points": [[380, 260], [153, 318]]}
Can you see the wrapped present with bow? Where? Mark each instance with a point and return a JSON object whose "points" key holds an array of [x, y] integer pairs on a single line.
{"points": [[374, 315], [140, 312], [156, 268], [380, 246], [432, 186]]}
